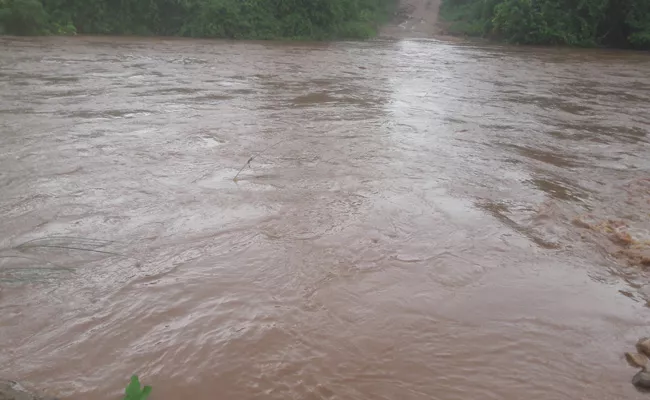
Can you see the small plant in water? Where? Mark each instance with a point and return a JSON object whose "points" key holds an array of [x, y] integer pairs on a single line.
{"points": [[135, 392]]}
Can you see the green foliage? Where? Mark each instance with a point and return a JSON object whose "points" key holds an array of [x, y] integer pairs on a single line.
{"points": [[62, 28], [638, 18], [23, 17], [621, 23], [250, 19], [135, 392]]}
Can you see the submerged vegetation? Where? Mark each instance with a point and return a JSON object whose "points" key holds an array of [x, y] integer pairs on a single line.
{"points": [[617, 23], [249, 19]]}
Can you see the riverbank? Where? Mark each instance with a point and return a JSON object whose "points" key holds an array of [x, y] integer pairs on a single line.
{"points": [[228, 19], [611, 23]]}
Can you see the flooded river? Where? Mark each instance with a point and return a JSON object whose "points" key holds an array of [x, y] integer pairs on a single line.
{"points": [[419, 220]]}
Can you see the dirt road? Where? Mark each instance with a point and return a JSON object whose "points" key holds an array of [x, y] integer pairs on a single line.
{"points": [[415, 18]]}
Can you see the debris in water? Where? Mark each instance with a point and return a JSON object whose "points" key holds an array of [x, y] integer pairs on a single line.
{"points": [[636, 360], [620, 242], [642, 379], [640, 360], [643, 346]]}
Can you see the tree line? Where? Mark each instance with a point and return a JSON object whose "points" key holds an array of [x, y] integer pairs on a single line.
{"points": [[245, 19], [616, 23]]}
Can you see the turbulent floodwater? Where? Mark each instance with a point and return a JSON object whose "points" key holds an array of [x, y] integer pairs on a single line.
{"points": [[420, 220]]}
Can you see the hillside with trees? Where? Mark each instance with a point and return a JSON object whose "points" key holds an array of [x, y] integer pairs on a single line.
{"points": [[615, 23], [234, 19]]}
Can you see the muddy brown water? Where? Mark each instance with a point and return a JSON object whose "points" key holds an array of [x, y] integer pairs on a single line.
{"points": [[404, 230]]}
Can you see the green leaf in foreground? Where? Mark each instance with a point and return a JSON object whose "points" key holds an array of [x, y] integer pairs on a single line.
{"points": [[135, 392]]}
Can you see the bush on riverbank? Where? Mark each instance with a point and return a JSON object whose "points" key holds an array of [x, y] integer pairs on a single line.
{"points": [[249, 19], [619, 23]]}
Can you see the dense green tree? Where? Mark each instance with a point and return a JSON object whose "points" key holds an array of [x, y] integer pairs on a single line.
{"points": [[621, 23], [23, 17], [254, 19]]}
